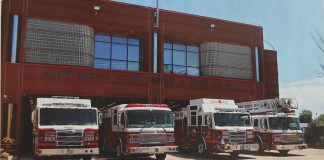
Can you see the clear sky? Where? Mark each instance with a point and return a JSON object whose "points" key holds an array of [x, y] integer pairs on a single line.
{"points": [[287, 28]]}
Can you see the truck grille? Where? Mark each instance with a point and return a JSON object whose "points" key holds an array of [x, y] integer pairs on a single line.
{"points": [[289, 138], [154, 138], [237, 137], [69, 138]]}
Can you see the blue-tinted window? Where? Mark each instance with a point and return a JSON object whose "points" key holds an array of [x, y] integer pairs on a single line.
{"points": [[193, 71], [133, 53], [192, 49], [167, 45], [181, 59], [103, 38], [179, 47], [102, 63], [117, 53], [118, 65], [168, 69], [192, 59], [133, 41], [179, 70], [102, 50], [133, 66], [119, 40], [167, 56]]}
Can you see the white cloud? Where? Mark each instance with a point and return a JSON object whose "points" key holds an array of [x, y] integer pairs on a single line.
{"points": [[309, 94]]}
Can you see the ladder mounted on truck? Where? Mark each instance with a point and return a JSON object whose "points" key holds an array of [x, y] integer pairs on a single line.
{"points": [[277, 105]]}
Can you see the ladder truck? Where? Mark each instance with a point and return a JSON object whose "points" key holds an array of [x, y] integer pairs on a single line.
{"points": [[132, 130], [65, 127], [276, 125], [214, 126]]}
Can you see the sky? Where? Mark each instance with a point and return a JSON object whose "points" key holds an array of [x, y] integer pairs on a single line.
{"points": [[288, 26]]}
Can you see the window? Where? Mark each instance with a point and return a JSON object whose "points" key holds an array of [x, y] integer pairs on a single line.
{"points": [[193, 118], [181, 59], [117, 53], [256, 123]]}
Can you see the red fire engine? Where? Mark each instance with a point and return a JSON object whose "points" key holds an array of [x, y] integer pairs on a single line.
{"points": [[65, 126], [276, 125], [214, 126], [137, 130]]}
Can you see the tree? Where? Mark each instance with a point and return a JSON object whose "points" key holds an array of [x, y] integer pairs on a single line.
{"points": [[319, 41], [320, 120], [305, 116]]}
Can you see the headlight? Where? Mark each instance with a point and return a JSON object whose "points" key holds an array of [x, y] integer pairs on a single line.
{"points": [[170, 137], [133, 138], [276, 138]]}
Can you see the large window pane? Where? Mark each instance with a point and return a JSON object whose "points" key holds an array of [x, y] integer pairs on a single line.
{"points": [[133, 53], [102, 50], [179, 70], [193, 71], [179, 58], [119, 51], [103, 38], [102, 63], [167, 56], [118, 65], [192, 59], [133, 66]]}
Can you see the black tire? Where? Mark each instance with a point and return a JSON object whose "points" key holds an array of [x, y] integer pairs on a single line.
{"points": [[283, 152], [261, 149], [234, 155], [119, 153], [160, 156], [200, 148]]}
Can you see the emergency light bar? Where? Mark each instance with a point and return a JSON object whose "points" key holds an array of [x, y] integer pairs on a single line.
{"points": [[146, 105]]}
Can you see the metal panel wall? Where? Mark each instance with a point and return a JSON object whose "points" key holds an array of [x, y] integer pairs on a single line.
{"points": [[226, 60], [62, 43]]}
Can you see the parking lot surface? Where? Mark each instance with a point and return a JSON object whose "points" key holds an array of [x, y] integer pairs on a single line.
{"points": [[307, 154]]}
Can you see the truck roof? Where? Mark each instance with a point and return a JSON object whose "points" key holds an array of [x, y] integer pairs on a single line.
{"points": [[68, 102], [205, 105]]}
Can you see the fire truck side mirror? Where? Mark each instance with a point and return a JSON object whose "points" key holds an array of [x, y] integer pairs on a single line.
{"points": [[33, 116], [100, 118]]}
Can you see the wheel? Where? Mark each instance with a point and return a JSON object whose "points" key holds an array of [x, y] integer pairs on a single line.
{"points": [[200, 148], [103, 148], [160, 156], [234, 155], [260, 150], [119, 154], [283, 152]]}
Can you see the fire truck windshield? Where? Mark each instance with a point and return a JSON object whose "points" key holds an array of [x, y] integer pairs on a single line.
{"points": [[147, 118], [60, 116], [284, 123], [231, 119]]}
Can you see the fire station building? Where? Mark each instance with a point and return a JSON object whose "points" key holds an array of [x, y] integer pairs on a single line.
{"points": [[114, 53]]}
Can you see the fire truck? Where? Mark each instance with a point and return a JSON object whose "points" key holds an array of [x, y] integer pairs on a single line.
{"points": [[276, 125], [65, 127], [214, 126], [132, 130]]}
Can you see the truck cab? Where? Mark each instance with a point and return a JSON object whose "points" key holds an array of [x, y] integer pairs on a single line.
{"points": [[132, 130], [214, 126], [65, 127]]}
